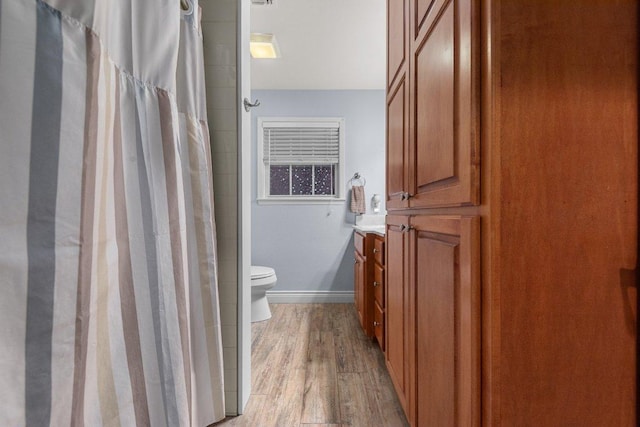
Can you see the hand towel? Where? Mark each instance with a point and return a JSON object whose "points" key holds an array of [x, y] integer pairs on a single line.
{"points": [[358, 205]]}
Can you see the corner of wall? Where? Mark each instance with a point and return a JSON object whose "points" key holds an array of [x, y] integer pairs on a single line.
{"points": [[219, 35]]}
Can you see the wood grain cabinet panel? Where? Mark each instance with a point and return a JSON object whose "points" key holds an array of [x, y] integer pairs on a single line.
{"points": [[397, 312], [378, 285], [422, 9], [435, 103], [397, 148], [397, 39], [378, 250], [444, 130], [447, 320], [359, 277], [378, 324]]}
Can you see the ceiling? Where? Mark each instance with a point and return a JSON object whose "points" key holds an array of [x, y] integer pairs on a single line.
{"points": [[324, 44]]}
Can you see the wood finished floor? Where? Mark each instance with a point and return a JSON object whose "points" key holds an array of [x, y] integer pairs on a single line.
{"points": [[313, 366]]}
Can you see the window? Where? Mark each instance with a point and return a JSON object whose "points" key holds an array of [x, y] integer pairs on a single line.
{"points": [[300, 159]]}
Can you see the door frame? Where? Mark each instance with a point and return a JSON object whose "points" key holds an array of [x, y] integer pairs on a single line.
{"points": [[243, 73]]}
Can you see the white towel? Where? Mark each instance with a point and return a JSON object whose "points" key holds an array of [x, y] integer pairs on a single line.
{"points": [[358, 205]]}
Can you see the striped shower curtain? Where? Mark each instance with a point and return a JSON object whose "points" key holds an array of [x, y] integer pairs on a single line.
{"points": [[108, 284]]}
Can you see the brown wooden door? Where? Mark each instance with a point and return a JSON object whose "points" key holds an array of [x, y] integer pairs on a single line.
{"points": [[444, 104], [397, 104], [397, 146], [445, 274], [397, 306], [359, 277], [397, 41]]}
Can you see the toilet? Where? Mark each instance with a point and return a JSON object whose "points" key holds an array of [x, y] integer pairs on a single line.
{"points": [[262, 279]]}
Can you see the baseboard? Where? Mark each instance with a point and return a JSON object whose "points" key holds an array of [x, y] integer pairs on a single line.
{"points": [[310, 297]]}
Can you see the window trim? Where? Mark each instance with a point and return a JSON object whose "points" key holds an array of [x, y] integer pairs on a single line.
{"points": [[262, 196]]}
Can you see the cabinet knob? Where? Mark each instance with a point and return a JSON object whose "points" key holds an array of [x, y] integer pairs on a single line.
{"points": [[376, 323], [375, 284], [375, 251], [406, 196]]}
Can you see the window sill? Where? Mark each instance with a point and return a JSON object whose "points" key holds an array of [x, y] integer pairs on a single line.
{"points": [[299, 201]]}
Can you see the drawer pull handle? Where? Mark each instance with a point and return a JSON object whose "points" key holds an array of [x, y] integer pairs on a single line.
{"points": [[377, 323], [375, 251], [405, 228], [375, 284]]}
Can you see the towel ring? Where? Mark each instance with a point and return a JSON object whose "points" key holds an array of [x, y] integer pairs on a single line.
{"points": [[357, 177]]}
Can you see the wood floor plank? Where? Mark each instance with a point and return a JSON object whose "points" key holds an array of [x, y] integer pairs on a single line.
{"points": [[323, 425], [275, 354], [285, 408], [390, 410], [320, 399], [301, 350], [357, 403], [351, 344]]}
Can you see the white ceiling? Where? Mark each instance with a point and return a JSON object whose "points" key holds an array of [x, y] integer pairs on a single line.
{"points": [[324, 44]]}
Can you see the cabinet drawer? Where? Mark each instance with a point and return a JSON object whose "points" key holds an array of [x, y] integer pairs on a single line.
{"points": [[378, 324], [378, 284], [378, 250], [358, 242]]}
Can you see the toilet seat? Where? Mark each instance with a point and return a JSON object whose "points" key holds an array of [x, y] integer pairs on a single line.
{"points": [[260, 272]]}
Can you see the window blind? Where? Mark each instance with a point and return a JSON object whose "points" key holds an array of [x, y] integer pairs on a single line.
{"points": [[304, 144]]}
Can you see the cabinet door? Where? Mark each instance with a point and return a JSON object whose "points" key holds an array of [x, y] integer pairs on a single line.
{"points": [[397, 306], [378, 324], [359, 278], [446, 326], [378, 285], [397, 32], [444, 103], [397, 147], [378, 250]]}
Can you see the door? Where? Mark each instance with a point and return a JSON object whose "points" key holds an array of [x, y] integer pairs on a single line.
{"points": [[444, 118], [244, 206], [359, 278], [445, 271], [397, 313], [397, 146], [397, 104]]}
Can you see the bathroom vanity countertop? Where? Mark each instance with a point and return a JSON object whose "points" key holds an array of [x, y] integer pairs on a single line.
{"points": [[375, 229]]}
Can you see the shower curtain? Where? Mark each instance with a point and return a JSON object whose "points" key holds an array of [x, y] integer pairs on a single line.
{"points": [[108, 281]]}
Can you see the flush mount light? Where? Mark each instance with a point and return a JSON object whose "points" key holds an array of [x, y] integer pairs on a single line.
{"points": [[263, 46]]}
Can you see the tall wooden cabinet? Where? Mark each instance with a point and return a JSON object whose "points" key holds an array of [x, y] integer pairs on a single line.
{"points": [[512, 234]]}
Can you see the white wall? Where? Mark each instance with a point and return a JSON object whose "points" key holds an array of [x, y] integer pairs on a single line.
{"points": [[311, 246], [219, 33]]}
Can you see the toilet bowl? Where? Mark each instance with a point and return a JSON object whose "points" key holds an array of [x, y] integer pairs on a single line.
{"points": [[262, 279]]}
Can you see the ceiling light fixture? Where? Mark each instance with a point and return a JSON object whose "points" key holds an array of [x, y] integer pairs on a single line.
{"points": [[264, 46]]}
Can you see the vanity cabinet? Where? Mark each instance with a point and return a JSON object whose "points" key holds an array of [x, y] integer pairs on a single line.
{"points": [[360, 280], [379, 287], [369, 283], [512, 227]]}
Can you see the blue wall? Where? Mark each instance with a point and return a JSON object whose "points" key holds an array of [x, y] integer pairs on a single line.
{"points": [[311, 246]]}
